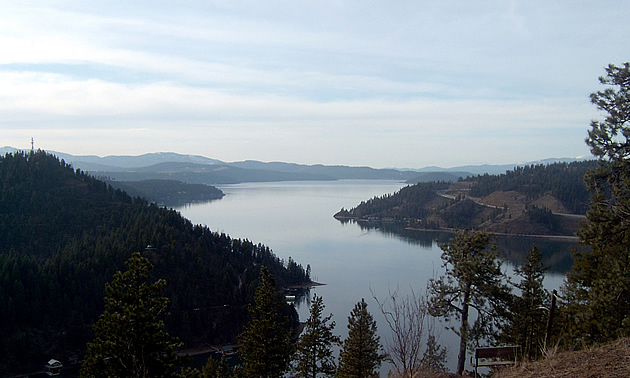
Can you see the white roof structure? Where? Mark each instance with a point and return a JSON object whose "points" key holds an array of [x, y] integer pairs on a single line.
{"points": [[54, 363]]}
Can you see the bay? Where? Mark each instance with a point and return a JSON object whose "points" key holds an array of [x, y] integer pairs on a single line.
{"points": [[295, 219]]}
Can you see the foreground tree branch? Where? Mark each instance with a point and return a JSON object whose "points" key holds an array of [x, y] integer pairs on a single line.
{"points": [[407, 320]]}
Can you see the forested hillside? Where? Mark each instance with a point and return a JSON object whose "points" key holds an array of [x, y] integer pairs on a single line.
{"points": [[560, 180], [170, 193], [64, 233], [537, 200]]}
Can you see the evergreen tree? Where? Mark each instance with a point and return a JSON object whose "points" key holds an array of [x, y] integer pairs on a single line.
{"points": [[130, 340], [527, 323], [215, 369], [435, 356], [361, 354], [314, 349], [266, 347], [598, 286], [473, 279]]}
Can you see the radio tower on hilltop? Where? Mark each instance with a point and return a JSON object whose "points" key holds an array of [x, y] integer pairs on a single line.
{"points": [[32, 145]]}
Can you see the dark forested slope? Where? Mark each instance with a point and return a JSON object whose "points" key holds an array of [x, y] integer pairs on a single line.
{"points": [[536, 200], [170, 193], [64, 233]]}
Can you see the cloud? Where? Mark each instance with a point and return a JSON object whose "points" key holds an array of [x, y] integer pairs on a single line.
{"points": [[118, 118], [55, 94], [258, 80]]}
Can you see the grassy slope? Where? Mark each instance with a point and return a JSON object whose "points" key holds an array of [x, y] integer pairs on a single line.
{"points": [[609, 360]]}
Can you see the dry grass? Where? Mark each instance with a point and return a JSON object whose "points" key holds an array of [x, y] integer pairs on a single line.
{"points": [[427, 374], [610, 360]]}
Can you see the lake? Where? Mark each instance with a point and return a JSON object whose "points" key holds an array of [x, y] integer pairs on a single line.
{"points": [[295, 219]]}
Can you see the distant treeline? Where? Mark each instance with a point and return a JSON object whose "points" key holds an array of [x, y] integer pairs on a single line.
{"points": [[564, 181], [64, 233], [438, 205], [168, 192], [408, 202]]}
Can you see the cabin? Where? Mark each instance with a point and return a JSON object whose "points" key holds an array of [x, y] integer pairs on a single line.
{"points": [[53, 367]]}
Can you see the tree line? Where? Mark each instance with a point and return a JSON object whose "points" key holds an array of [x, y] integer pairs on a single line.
{"points": [[408, 202], [63, 234], [171, 193], [131, 338], [564, 181]]}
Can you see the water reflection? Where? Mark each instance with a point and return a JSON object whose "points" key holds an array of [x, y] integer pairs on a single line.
{"points": [[182, 203], [557, 254], [424, 239], [298, 296]]}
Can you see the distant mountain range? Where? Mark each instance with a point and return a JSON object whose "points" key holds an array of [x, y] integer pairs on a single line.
{"points": [[195, 169]]}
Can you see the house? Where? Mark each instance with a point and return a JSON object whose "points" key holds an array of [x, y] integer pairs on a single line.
{"points": [[53, 367]]}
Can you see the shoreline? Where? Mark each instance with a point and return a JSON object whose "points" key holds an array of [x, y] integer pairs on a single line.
{"points": [[207, 349], [306, 285], [195, 351], [566, 238]]}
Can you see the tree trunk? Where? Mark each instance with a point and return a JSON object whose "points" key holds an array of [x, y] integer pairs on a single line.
{"points": [[463, 332]]}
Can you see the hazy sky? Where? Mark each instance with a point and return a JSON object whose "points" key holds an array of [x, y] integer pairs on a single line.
{"points": [[378, 83]]}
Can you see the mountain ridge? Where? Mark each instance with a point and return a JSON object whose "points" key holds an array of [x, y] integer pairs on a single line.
{"points": [[114, 166]]}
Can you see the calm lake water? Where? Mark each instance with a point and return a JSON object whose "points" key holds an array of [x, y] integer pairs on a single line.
{"points": [[295, 219]]}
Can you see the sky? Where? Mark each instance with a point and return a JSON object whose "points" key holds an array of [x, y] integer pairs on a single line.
{"points": [[403, 84]]}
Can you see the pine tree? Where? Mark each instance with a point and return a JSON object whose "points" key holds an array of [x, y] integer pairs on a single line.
{"points": [[598, 285], [314, 353], [473, 279], [527, 323], [266, 347], [130, 340], [215, 369], [361, 354], [435, 356]]}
